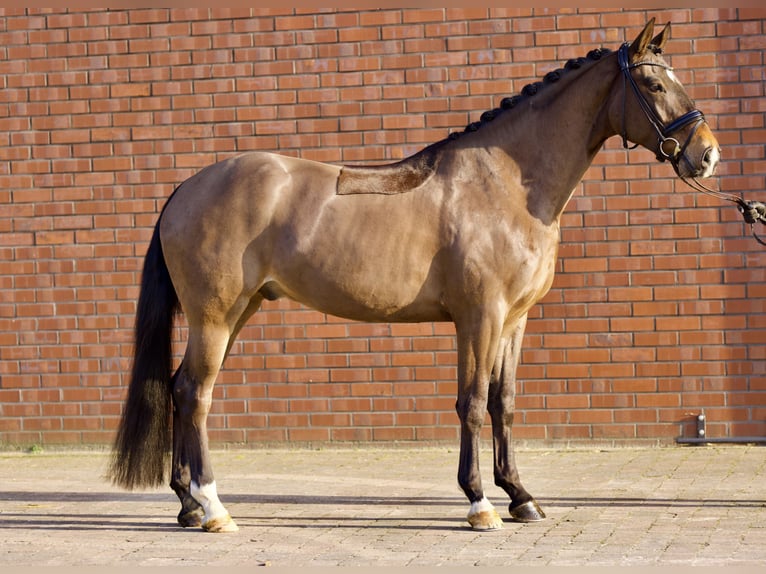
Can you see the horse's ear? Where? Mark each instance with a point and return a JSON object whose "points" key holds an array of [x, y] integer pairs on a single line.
{"points": [[661, 39], [638, 47]]}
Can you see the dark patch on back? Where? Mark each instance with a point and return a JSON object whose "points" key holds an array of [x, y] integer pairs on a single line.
{"points": [[390, 179]]}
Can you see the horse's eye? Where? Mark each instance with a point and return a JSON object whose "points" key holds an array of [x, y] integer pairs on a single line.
{"points": [[656, 88]]}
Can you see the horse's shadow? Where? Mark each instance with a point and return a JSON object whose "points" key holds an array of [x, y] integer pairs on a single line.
{"points": [[61, 518], [559, 502]]}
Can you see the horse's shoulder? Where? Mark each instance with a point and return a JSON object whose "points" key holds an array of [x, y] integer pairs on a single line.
{"points": [[390, 179]]}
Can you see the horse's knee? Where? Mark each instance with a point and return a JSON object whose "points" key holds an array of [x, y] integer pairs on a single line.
{"points": [[471, 413], [501, 416]]}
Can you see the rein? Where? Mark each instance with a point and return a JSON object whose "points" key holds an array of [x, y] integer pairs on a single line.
{"points": [[752, 211]]}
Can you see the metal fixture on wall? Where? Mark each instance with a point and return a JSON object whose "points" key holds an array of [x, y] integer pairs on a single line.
{"points": [[702, 437]]}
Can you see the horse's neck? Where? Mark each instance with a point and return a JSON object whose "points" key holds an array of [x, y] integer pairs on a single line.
{"points": [[553, 137]]}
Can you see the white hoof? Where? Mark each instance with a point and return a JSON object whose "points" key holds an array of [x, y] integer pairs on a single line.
{"points": [[483, 516], [220, 524]]}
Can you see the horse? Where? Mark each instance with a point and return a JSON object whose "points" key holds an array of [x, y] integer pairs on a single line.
{"points": [[465, 230]]}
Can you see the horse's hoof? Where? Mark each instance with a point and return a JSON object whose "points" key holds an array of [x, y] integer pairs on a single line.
{"points": [[191, 518], [485, 521], [527, 512], [220, 524], [483, 516]]}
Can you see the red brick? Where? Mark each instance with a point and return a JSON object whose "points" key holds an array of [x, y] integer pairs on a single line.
{"points": [[658, 290]]}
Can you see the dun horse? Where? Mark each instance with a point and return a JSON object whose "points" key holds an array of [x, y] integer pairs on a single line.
{"points": [[465, 230]]}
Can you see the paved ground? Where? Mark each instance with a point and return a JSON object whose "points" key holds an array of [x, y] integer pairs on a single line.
{"points": [[397, 507]]}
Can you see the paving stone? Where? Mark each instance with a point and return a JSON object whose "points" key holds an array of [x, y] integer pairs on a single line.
{"points": [[396, 507]]}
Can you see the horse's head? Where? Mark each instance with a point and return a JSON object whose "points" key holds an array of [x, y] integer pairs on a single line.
{"points": [[653, 109]]}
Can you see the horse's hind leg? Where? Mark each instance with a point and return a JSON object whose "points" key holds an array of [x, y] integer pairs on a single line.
{"points": [[192, 512], [502, 393], [193, 478]]}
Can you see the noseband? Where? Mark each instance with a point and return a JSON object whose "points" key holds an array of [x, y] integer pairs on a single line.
{"points": [[668, 147]]}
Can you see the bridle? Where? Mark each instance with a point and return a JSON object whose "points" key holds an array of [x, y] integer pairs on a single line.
{"points": [[669, 148]]}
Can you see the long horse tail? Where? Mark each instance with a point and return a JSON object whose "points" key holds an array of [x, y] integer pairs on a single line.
{"points": [[143, 440]]}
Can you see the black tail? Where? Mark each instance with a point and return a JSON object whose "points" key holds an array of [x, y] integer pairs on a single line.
{"points": [[144, 435]]}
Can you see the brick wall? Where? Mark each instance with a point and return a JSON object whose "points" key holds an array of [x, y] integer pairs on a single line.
{"points": [[656, 314]]}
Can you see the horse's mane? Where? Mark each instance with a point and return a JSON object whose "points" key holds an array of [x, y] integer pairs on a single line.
{"points": [[528, 91], [411, 172]]}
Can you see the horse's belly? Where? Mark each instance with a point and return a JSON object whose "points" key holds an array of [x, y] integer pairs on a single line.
{"points": [[365, 292], [368, 258], [363, 280]]}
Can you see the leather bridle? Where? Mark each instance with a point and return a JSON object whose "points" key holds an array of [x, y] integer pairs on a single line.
{"points": [[668, 147]]}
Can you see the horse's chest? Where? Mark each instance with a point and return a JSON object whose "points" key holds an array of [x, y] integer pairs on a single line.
{"points": [[510, 261], [527, 267], [533, 278]]}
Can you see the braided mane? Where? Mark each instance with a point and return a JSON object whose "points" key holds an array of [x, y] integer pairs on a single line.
{"points": [[413, 171], [531, 90]]}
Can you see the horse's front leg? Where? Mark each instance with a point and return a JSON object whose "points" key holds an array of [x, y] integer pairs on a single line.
{"points": [[476, 347], [193, 478], [502, 398]]}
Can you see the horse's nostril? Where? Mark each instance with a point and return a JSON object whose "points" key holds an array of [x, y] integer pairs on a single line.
{"points": [[709, 161]]}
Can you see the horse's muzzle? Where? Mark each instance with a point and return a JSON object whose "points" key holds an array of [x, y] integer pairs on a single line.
{"points": [[698, 157], [700, 165]]}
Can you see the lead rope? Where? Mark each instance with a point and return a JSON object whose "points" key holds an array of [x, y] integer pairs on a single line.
{"points": [[752, 211]]}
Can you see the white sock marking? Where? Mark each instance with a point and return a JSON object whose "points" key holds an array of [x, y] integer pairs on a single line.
{"points": [[207, 496], [482, 505]]}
